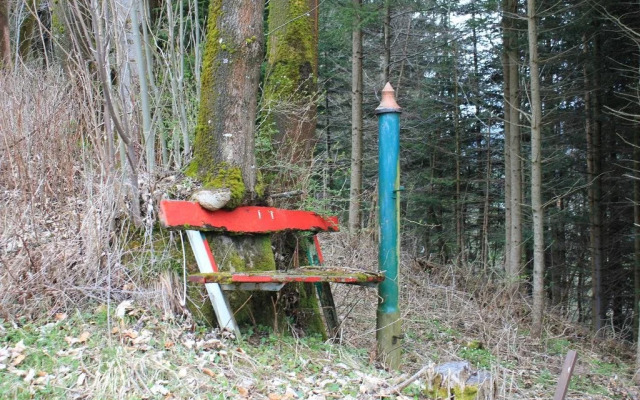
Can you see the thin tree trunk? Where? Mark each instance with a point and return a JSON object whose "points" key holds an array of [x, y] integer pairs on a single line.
{"points": [[5, 42], [198, 55], [178, 100], [593, 130], [147, 132], [459, 217], [181, 92], [485, 213], [636, 246], [636, 243], [148, 57], [26, 32], [536, 173], [356, 122], [386, 54], [515, 262], [506, 33], [120, 125], [558, 255]]}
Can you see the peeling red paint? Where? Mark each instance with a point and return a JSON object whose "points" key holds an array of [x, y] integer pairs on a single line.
{"points": [[189, 215], [210, 254], [316, 242]]}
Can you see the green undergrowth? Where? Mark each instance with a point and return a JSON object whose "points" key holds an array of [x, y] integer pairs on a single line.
{"points": [[133, 353]]}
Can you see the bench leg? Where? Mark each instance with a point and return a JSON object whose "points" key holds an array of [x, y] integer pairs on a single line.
{"points": [[206, 263], [314, 255], [328, 309]]}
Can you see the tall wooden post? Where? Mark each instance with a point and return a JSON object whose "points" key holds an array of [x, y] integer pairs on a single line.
{"points": [[388, 315]]}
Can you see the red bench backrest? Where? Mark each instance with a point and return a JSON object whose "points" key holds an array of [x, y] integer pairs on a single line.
{"points": [[189, 215]]}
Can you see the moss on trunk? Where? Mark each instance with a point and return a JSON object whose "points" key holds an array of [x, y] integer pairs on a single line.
{"points": [[287, 135], [224, 153], [246, 253], [224, 136]]}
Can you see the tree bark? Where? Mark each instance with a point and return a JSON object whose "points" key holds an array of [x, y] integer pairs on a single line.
{"points": [[145, 108], [506, 33], [224, 147], [290, 96], [536, 173], [386, 54], [356, 122], [459, 216], [515, 166], [224, 144], [636, 247], [593, 132], [558, 255], [26, 32], [289, 93], [5, 42]]}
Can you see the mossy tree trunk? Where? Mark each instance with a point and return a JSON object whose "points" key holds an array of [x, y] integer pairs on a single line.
{"points": [[26, 35], [289, 115], [224, 153], [224, 144], [289, 108], [5, 42]]}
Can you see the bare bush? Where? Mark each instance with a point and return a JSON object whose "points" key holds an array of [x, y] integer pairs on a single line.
{"points": [[57, 206]]}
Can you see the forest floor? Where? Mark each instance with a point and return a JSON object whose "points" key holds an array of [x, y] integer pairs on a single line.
{"points": [[134, 350]]}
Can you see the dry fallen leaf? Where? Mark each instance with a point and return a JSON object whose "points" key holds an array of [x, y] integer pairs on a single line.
{"points": [[18, 359], [19, 372], [168, 344], [81, 379], [274, 396], [159, 389], [30, 375], [84, 336], [144, 337], [19, 347], [209, 372], [130, 333], [60, 316], [122, 308], [243, 391], [290, 394], [42, 380]]}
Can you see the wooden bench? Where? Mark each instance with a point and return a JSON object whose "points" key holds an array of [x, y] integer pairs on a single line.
{"points": [[189, 216]]}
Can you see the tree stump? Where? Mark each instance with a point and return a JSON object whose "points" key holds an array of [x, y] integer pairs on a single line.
{"points": [[457, 380]]}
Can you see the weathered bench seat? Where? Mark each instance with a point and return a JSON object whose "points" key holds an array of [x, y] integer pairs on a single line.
{"points": [[191, 217]]}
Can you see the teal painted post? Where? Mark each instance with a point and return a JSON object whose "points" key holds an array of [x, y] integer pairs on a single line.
{"points": [[388, 324]]}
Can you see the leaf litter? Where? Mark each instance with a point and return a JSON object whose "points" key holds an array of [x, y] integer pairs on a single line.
{"points": [[166, 359]]}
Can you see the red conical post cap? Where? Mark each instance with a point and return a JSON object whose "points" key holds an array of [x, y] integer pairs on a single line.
{"points": [[388, 103]]}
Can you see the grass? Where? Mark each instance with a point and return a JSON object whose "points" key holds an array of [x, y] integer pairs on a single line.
{"points": [[478, 357], [93, 354], [79, 356]]}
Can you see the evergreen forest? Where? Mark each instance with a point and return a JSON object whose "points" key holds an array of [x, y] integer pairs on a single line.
{"points": [[519, 172]]}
